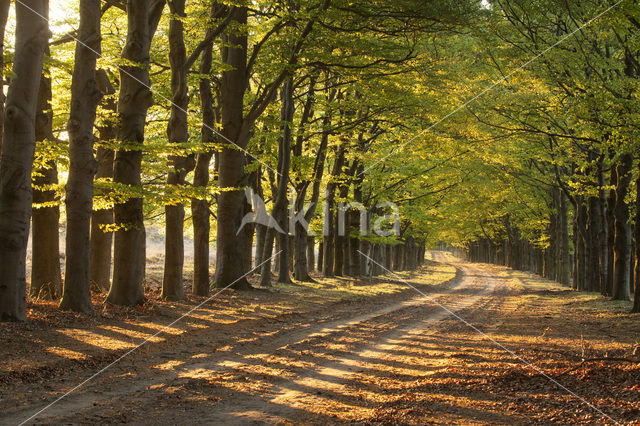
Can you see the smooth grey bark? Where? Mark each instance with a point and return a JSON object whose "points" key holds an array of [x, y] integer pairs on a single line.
{"points": [[283, 181], [581, 247], [565, 257], [593, 239], [200, 214], [4, 16], [179, 165], [16, 161], [388, 256], [101, 220], [261, 233], [46, 275], [636, 298], [623, 233], [85, 96], [229, 256], [611, 228], [355, 258], [339, 265], [311, 254], [247, 234], [603, 236], [330, 214], [304, 255], [279, 210], [134, 100]]}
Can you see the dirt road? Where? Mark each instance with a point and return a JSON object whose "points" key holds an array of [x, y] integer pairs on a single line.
{"points": [[408, 360]]}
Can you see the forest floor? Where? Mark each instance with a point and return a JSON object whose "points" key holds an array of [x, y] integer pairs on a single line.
{"points": [[486, 345]]}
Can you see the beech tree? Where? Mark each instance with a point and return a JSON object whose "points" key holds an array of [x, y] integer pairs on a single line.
{"points": [[16, 159], [85, 96], [46, 277], [351, 109], [200, 207], [134, 100], [180, 165], [4, 16]]}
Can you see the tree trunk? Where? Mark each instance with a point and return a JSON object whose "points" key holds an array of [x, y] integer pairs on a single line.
{"points": [[354, 245], [85, 96], [623, 234], [565, 256], [201, 223], [593, 233], [581, 246], [279, 211], [200, 206], [267, 254], [46, 276], [341, 245], [102, 219], [283, 181], [611, 229], [311, 254], [4, 16], [179, 165], [388, 256], [229, 256], [16, 162], [248, 233], [636, 298], [604, 229], [134, 100], [261, 234]]}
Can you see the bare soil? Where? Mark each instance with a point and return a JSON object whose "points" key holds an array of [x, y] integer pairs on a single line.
{"points": [[481, 345]]}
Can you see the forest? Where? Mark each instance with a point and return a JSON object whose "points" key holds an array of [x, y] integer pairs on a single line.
{"points": [[214, 163]]}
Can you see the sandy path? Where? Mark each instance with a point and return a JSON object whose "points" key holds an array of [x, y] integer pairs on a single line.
{"points": [[281, 373]]}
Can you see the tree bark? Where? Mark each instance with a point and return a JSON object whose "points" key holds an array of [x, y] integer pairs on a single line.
{"points": [[311, 254], [16, 161], [261, 233], [636, 298], [179, 165], [4, 16], [247, 234], [200, 206], [279, 210], [46, 276], [593, 239], [330, 214], [623, 234], [283, 181], [134, 100], [611, 228], [565, 257], [603, 256], [102, 219], [85, 96], [581, 246], [101, 237], [229, 258]]}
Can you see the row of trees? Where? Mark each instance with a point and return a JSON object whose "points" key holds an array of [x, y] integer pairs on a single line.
{"points": [[283, 95], [151, 111], [578, 160]]}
